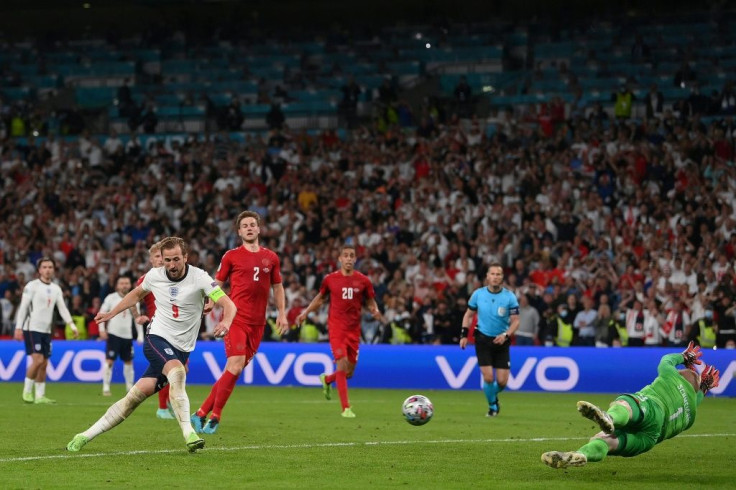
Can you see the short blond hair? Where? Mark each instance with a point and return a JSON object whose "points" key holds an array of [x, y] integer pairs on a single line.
{"points": [[154, 248]]}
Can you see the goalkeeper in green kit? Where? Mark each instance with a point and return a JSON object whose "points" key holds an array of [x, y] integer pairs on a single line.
{"points": [[635, 423]]}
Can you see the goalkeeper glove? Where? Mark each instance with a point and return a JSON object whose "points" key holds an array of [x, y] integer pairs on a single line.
{"points": [[709, 379], [691, 355]]}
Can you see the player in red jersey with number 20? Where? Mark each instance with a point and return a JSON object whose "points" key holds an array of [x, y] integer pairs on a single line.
{"points": [[347, 290]]}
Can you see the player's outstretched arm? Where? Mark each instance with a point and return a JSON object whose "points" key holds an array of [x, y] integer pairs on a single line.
{"points": [[691, 355], [709, 379], [316, 303], [129, 300], [228, 315]]}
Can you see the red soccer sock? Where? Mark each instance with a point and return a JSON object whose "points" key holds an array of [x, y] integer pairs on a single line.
{"points": [[209, 402], [330, 378], [224, 389], [342, 388], [163, 398]]}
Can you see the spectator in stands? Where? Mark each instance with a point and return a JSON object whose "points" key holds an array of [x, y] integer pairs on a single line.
{"points": [[528, 322], [126, 106], [7, 308], [234, 116], [697, 104], [148, 119], [281, 94], [654, 102], [640, 50], [463, 97], [349, 106], [275, 117], [685, 76], [525, 191], [623, 102], [387, 92], [446, 330], [727, 100]]}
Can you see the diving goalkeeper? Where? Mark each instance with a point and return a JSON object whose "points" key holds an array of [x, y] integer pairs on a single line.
{"points": [[635, 423]]}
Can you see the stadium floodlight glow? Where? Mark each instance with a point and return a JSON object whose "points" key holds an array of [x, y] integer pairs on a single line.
{"points": [[418, 35], [428, 45]]}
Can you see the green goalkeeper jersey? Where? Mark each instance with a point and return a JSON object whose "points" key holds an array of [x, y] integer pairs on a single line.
{"points": [[675, 395]]}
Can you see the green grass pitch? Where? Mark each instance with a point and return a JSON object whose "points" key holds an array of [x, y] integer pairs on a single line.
{"points": [[294, 438]]}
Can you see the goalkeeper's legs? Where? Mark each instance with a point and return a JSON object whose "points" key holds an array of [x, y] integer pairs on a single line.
{"points": [[597, 449], [621, 412], [592, 452], [618, 415]]}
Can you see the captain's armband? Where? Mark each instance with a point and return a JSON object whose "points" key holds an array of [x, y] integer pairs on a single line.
{"points": [[216, 294]]}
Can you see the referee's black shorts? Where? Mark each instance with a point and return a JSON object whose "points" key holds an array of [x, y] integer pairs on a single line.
{"points": [[490, 354]]}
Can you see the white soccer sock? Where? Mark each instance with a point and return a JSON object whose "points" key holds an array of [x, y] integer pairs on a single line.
{"points": [[179, 400], [28, 385], [106, 377], [128, 374], [40, 390], [118, 411]]}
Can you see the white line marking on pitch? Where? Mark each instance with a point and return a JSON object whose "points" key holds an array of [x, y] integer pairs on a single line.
{"points": [[312, 446]]}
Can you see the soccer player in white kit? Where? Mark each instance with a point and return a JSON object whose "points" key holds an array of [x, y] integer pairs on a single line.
{"points": [[118, 332], [180, 291], [33, 325]]}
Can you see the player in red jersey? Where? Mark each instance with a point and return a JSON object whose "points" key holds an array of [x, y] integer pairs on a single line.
{"points": [[253, 271], [347, 290], [154, 256]]}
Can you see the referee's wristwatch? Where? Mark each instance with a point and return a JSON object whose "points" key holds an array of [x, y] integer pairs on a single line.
{"points": [[507, 335]]}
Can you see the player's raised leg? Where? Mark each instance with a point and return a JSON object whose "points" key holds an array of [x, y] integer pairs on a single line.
{"points": [[114, 415]]}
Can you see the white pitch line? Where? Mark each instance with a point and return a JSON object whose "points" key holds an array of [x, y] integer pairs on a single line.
{"points": [[313, 446]]}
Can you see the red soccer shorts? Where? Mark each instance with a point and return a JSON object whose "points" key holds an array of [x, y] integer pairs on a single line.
{"points": [[243, 340], [343, 347]]}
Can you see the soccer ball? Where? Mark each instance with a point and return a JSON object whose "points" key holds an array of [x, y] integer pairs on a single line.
{"points": [[417, 410]]}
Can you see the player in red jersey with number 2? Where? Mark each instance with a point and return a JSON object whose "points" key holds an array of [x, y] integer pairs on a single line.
{"points": [[252, 271], [347, 290]]}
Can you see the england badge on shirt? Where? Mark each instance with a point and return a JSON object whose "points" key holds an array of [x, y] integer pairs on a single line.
{"points": [[173, 291]]}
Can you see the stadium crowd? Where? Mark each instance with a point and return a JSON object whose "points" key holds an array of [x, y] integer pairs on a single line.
{"points": [[617, 232]]}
